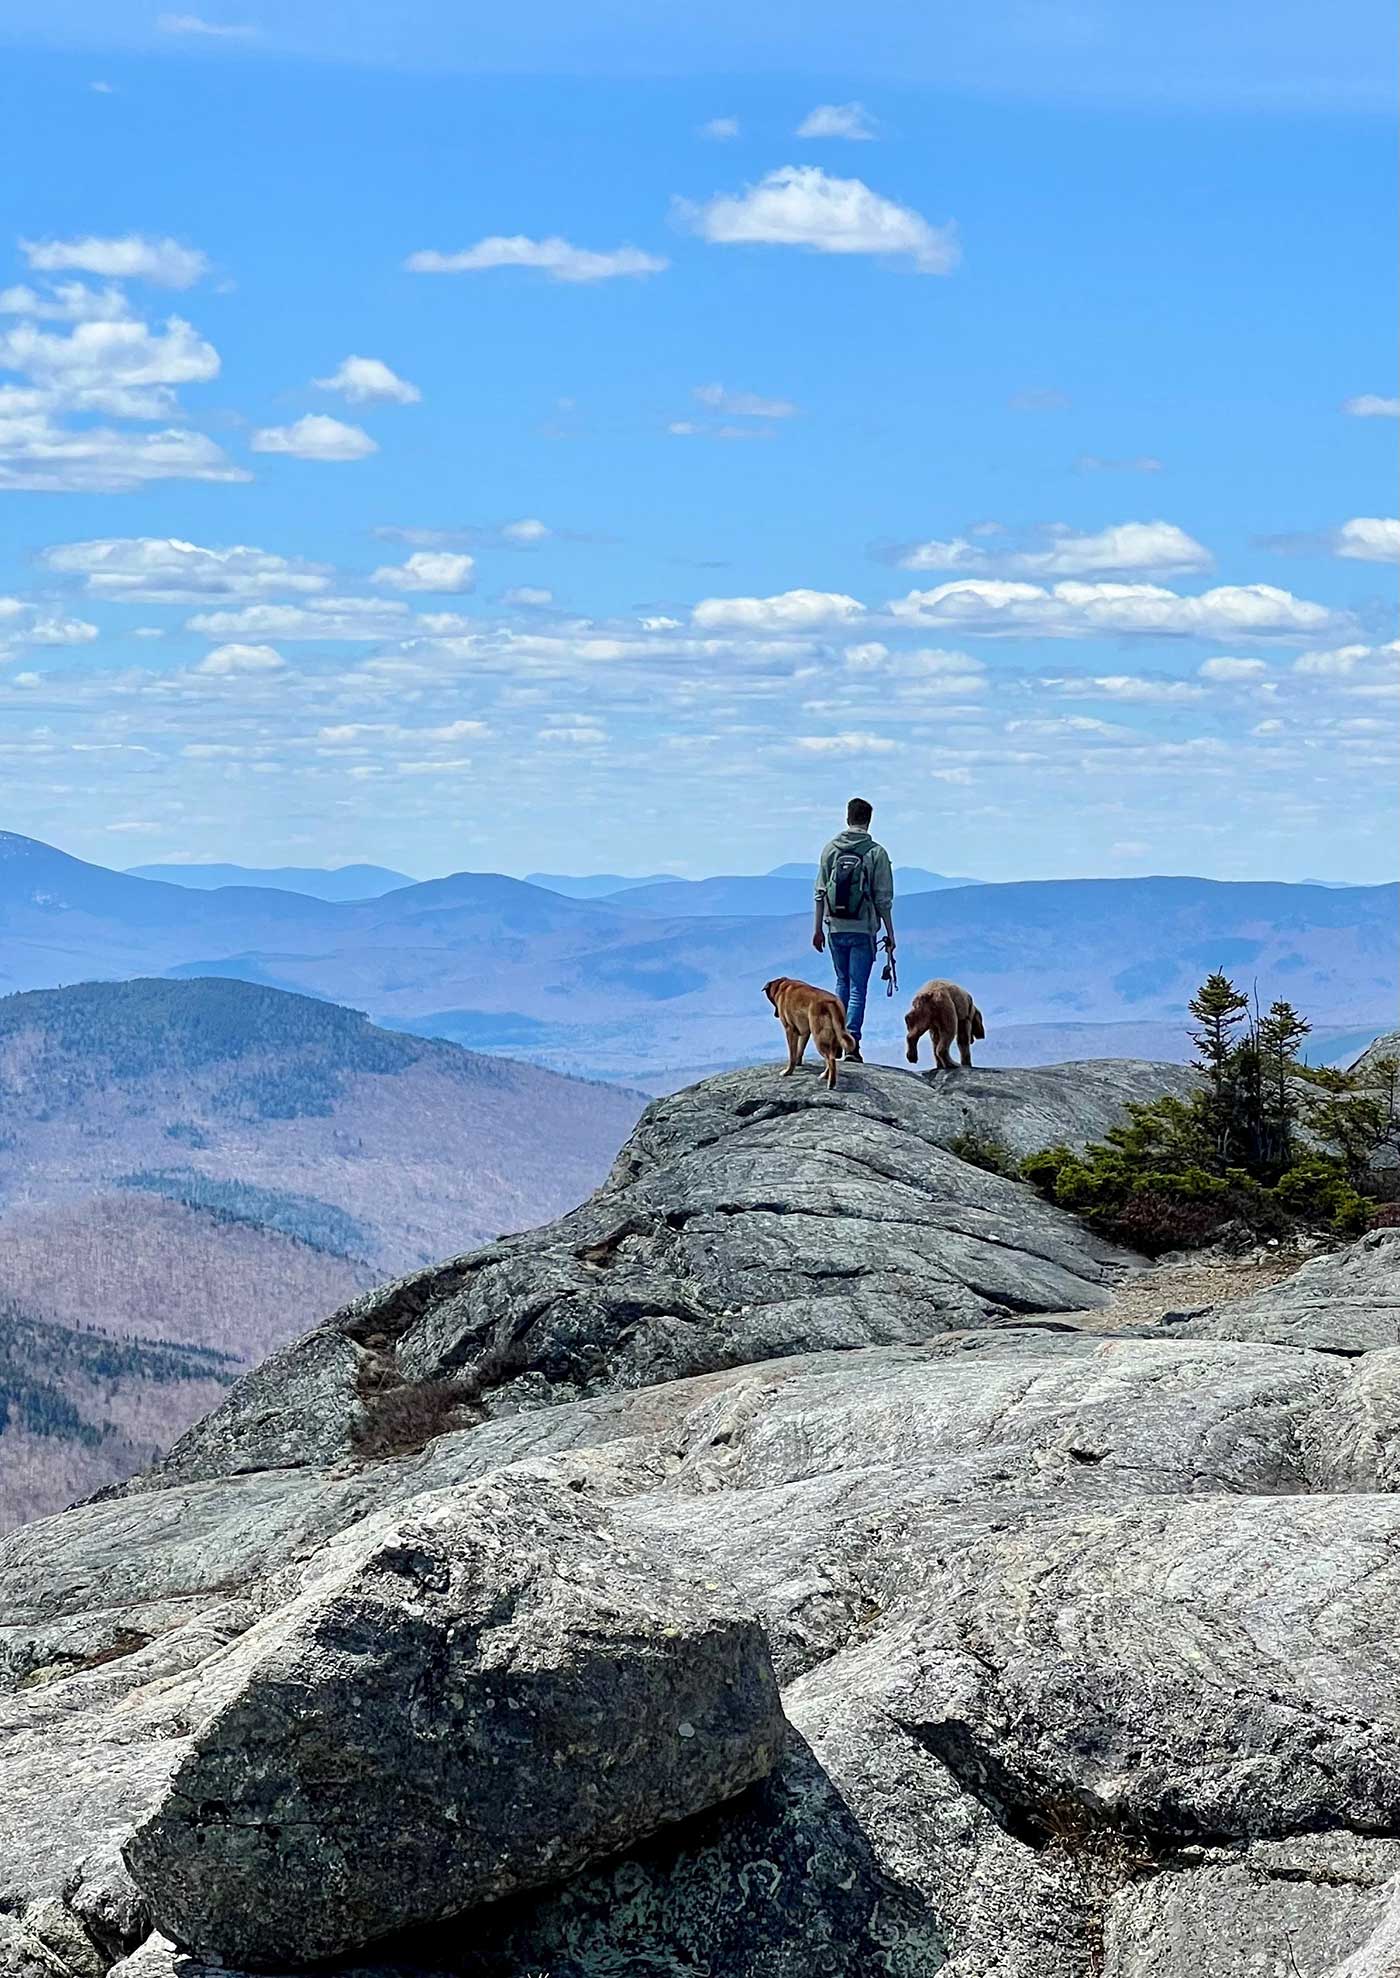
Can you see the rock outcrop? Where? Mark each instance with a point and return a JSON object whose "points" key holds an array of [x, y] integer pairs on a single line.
{"points": [[484, 1697], [747, 1217], [1347, 1302], [1086, 1639]]}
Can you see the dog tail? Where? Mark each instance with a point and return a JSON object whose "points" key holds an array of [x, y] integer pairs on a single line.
{"points": [[844, 1037]]}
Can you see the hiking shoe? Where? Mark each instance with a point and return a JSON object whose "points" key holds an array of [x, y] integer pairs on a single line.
{"points": [[854, 1057]]}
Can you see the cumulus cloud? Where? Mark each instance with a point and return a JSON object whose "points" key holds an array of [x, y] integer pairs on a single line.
{"points": [[792, 611], [555, 257], [39, 455], [316, 437], [1369, 539], [1078, 610], [321, 618], [848, 120], [1369, 405], [65, 302], [165, 570], [1232, 672], [195, 25], [1072, 725], [121, 257], [369, 381], [429, 570], [232, 659], [852, 744], [26, 624], [122, 367], [1338, 662], [1125, 687], [800, 206], [720, 130], [742, 404], [1122, 547]]}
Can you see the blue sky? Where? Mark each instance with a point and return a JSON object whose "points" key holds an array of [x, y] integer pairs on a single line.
{"points": [[456, 441]]}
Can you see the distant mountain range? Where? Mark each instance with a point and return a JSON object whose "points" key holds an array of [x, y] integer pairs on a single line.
{"points": [[342, 882], [650, 994], [191, 1172], [591, 885]]}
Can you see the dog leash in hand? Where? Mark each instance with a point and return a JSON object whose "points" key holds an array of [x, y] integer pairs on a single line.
{"points": [[888, 974]]}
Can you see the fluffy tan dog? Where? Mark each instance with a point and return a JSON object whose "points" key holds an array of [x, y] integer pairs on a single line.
{"points": [[945, 1011], [807, 1012]]}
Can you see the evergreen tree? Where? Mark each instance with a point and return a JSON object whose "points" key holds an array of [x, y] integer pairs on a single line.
{"points": [[1279, 1036], [1219, 1010]]}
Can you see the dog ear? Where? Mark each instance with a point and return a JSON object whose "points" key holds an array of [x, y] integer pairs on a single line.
{"points": [[978, 1029], [770, 990]]}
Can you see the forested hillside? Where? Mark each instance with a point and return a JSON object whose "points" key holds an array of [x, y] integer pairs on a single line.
{"points": [[191, 1172]]}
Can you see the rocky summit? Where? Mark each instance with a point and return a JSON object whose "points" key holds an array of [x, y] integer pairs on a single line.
{"points": [[783, 1566]]}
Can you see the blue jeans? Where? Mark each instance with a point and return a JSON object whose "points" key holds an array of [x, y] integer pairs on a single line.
{"points": [[853, 957]]}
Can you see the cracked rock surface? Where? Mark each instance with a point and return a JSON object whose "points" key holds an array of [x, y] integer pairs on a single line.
{"points": [[1087, 1641]]}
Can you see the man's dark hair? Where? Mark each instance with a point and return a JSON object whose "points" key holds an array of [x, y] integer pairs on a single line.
{"points": [[859, 814]]}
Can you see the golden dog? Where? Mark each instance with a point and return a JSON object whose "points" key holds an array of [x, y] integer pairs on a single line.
{"points": [[807, 1012], [945, 1011]]}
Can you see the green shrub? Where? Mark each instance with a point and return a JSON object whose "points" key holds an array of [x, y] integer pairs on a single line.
{"points": [[985, 1151]]}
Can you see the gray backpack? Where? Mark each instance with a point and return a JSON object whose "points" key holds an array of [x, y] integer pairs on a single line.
{"points": [[847, 886]]}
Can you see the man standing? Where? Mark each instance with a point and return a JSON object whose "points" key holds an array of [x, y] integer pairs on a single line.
{"points": [[855, 897]]}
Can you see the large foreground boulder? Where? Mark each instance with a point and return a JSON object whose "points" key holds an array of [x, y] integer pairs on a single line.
{"points": [[484, 1697]]}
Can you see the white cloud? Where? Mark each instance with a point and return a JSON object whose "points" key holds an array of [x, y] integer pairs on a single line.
{"points": [[22, 623], [196, 25], [428, 570], [322, 618], [1370, 406], [122, 257], [800, 206], [1369, 539], [316, 437], [65, 302], [528, 530], [1342, 661], [369, 381], [101, 88], [849, 120], [695, 429], [1073, 725], [1231, 672], [554, 256], [122, 367], [1125, 687], [720, 130], [792, 611], [228, 660], [1122, 547], [527, 594], [742, 404], [165, 570], [38, 455], [853, 744], [1077, 610]]}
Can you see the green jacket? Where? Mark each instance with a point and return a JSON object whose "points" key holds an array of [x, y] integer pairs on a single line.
{"points": [[879, 892]]}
